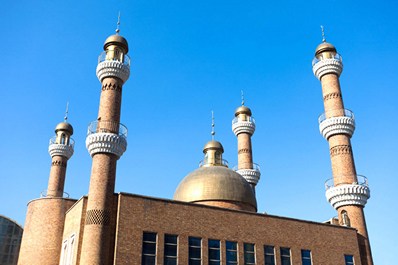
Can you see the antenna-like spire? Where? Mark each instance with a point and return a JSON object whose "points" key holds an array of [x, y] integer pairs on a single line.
{"points": [[323, 34], [66, 111], [118, 24], [243, 97], [213, 132]]}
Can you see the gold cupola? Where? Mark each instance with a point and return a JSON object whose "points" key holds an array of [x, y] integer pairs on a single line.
{"points": [[325, 50], [214, 184]]}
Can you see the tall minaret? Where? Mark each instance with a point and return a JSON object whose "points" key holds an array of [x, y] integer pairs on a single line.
{"points": [[243, 126], [106, 142], [347, 192], [45, 218]]}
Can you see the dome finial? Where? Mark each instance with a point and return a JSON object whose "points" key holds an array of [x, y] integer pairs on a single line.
{"points": [[66, 111], [323, 34], [118, 24], [213, 132], [243, 97]]}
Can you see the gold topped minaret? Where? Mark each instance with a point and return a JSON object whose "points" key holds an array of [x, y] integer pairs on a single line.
{"points": [[106, 142], [243, 126], [346, 191]]}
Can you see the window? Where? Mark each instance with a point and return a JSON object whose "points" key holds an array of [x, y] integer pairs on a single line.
{"points": [[195, 250], [170, 250], [349, 259], [249, 254], [285, 256], [214, 252], [67, 251], [232, 252], [269, 255], [64, 252], [345, 218], [306, 257], [149, 248]]}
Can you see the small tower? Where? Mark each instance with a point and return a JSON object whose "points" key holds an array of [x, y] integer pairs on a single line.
{"points": [[106, 142], [45, 218], [243, 126], [346, 191]]}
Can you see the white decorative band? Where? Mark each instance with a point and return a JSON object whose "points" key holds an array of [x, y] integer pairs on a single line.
{"points": [[251, 175], [348, 194], [60, 150], [327, 66], [337, 125], [243, 127], [106, 143], [113, 68]]}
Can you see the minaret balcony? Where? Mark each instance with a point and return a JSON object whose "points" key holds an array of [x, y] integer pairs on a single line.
{"points": [[106, 137], [252, 175], [324, 66], [113, 67], [356, 193], [243, 126], [61, 149], [337, 122], [47, 194]]}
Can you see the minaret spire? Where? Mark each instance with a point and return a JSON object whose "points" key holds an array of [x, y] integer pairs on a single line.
{"points": [[323, 34], [243, 97], [347, 192], [213, 132], [66, 112], [118, 24]]}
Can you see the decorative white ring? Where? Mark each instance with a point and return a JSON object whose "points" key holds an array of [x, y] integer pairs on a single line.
{"points": [[327, 66], [106, 143], [243, 127], [60, 150], [348, 194], [251, 175], [113, 68], [337, 125]]}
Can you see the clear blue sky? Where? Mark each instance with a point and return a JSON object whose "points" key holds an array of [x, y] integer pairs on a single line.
{"points": [[191, 57]]}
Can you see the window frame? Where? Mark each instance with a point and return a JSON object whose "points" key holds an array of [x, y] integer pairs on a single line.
{"points": [[229, 250], [266, 254], [143, 255], [194, 260], [305, 259], [245, 252], [165, 257], [285, 256], [214, 261]]}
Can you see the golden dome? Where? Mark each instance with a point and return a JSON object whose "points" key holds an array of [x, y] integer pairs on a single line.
{"points": [[214, 145], [118, 40], [64, 126], [215, 183], [243, 110], [325, 47]]}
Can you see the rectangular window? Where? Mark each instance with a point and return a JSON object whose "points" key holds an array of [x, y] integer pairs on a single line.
{"points": [[349, 259], [214, 252], [232, 252], [306, 257], [170, 250], [149, 248], [269, 255], [195, 250], [285, 256], [249, 254]]}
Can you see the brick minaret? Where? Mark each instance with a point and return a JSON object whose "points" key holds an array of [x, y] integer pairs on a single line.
{"points": [[346, 191], [44, 225], [243, 126], [106, 142]]}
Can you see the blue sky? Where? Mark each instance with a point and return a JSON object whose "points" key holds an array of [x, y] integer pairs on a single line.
{"points": [[189, 58]]}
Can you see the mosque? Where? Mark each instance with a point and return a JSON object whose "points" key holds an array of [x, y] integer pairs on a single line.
{"points": [[213, 217]]}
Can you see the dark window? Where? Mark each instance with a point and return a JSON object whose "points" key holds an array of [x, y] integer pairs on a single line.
{"points": [[269, 255], [232, 252], [214, 252], [149, 248], [285, 256], [170, 250], [249, 254], [349, 259], [195, 250], [306, 257]]}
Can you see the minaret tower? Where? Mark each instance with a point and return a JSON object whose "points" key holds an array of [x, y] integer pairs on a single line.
{"points": [[243, 126], [106, 142], [45, 218], [346, 191]]}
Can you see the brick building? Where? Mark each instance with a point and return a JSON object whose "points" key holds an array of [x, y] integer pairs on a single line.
{"points": [[213, 217]]}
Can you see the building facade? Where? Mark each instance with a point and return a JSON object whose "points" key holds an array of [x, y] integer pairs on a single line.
{"points": [[213, 217], [10, 241]]}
